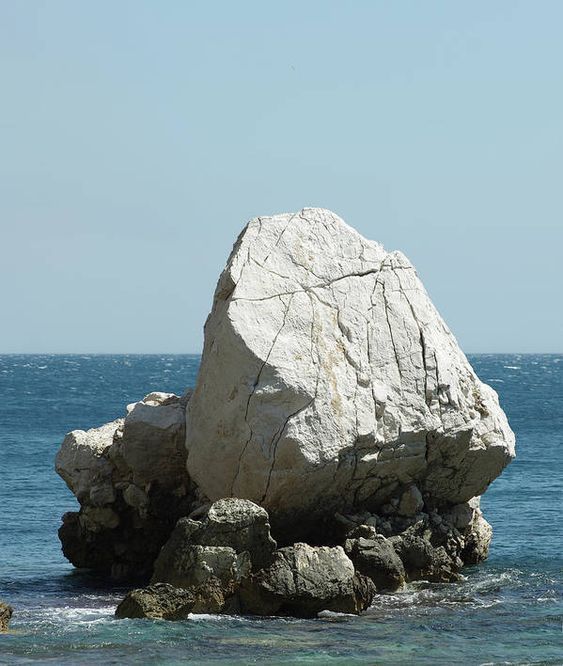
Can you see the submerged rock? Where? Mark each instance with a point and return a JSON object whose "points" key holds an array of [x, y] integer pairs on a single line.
{"points": [[303, 581], [6, 612], [339, 384]]}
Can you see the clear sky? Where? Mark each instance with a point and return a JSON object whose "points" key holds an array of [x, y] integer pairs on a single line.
{"points": [[137, 138]]}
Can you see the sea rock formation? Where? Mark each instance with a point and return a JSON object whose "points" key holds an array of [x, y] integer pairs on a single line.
{"points": [[228, 562], [131, 481], [338, 382], [333, 404], [6, 612]]}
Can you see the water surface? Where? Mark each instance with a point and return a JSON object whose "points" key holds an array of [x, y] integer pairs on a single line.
{"points": [[507, 611]]}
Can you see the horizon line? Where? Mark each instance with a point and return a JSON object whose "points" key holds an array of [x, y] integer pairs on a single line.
{"points": [[122, 353]]}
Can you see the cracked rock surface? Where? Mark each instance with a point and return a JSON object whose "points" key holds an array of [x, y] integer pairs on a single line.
{"points": [[329, 381], [304, 580]]}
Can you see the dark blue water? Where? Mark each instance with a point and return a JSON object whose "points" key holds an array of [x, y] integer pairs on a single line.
{"points": [[508, 611]]}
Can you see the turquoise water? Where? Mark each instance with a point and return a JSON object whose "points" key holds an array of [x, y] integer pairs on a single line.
{"points": [[508, 611]]}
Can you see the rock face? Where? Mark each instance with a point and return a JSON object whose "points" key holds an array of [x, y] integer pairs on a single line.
{"points": [[391, 549], [5, 616], [131, 481], [161, 601], [374, 556], [305, 580], [339, 385], [232, 538], [217, 552]]}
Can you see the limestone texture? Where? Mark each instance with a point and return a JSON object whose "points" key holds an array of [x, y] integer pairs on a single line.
{"points": [[330, 382], [304, 580], [237, 527], [130, 479]]}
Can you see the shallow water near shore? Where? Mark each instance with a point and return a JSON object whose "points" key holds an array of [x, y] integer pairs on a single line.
{"points": [[507, 611]]}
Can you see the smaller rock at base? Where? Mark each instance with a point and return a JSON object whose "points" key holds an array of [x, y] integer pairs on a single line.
{"points": [[304, 580], [192, 566], [422, 561], [162, 601], [478, 540], [5, 616], [374, 556]]}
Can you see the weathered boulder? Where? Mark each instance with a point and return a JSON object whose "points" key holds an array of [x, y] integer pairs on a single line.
{"points": [[237, 524], [231, 539], [329, 381], [422, 560], [432, 544], [83, 463], [161, 601], [151, 445], [303, 580], [478, 535], [411, 502], [374, 556], [130, 479], [6, 612], [193, 565]]}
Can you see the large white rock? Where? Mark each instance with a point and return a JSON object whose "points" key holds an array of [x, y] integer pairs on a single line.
{"points": [[328, 379]]}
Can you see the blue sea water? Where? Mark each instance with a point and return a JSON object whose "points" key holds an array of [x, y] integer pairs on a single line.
{"points": [[507, 611]]}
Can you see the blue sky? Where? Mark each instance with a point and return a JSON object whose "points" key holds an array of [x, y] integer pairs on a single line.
{"points": [[137, 138]]}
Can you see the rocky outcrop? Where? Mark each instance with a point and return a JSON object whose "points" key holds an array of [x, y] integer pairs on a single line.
{"points": [[303, 581], [333, 403], [229, 541], [338, 382], [131, 481], [429, 545], [6, 612]]}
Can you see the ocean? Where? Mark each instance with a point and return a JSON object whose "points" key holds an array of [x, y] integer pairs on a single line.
{"points": [[506, 611]]}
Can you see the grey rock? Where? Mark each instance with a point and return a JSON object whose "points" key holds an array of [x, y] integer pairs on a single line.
{"points": [[162, 601], [411, 502], [423, 561], [478, 540], [231, 539], [237, 524], [151, 446], [374, 557], [187, 566], [303, 580]]}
